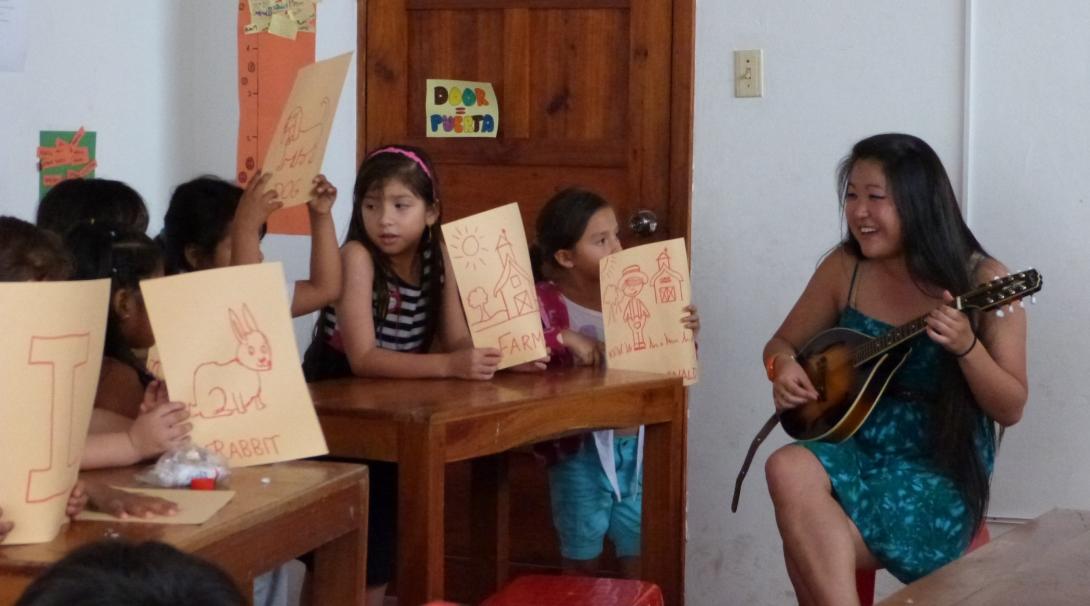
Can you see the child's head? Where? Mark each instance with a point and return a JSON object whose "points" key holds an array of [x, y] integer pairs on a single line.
{"points": [[117, 572], [395, 201], [897, 200], [125, 256], [31, 254], [575, 229], [197, 227], [75, 201]]}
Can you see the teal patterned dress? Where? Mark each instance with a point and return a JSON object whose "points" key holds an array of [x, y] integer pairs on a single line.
{"points": [[911, 516]]}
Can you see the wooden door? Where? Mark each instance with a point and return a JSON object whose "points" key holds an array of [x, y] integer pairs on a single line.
{"points": [[592, 93]]}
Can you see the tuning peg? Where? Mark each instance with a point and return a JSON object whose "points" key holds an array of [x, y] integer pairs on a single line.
{"points": [[1033, 299], [999, 313], [1010, 308], [1022, 303]]}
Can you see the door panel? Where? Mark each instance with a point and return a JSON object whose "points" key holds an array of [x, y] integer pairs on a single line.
{"points": [[584, 88]]}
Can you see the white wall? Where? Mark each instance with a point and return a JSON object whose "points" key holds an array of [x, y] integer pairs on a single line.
{"points": [[206, 86], [1031, 207], [765, 209], [104, 65]]}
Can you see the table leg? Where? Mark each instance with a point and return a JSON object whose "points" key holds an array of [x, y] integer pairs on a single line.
{"points": [[663, 548], [420, 469], [490, 518], [340, 566]]}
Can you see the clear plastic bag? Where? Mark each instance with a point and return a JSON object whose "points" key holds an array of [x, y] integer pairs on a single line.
{"points": [[179, 467]]}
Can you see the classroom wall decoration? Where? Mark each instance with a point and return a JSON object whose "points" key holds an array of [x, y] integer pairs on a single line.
{"points": [[491, 264], [226, 347], [644, 290], [267, 65], [64, 155], [50, 359], [298, 146], [461, 108], [284, 18]]}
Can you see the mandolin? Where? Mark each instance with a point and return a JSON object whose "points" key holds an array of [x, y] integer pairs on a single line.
{"points": [[850, 370]]}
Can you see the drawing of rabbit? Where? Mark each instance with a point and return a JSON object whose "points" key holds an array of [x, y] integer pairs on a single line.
{"points": [[224, 388]]}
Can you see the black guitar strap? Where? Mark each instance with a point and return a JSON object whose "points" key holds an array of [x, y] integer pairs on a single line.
{"points": [[769, 425]]}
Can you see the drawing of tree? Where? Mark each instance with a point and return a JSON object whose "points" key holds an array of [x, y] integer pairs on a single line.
{"points": [[478, 299]]}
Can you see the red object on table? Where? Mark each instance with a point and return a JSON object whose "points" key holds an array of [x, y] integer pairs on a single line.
{"points": [[545, 590], [202, 484]]}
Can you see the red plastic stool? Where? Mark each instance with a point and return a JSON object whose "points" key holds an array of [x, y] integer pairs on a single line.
{"points": [[864, 579], [545, 590]]}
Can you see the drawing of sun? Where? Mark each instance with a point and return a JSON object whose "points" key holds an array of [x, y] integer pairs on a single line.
{"points": [[467, 246]]}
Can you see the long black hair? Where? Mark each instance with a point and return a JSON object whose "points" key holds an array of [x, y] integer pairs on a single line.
{"points": [[200, 214], [411, 167], [76, 201], [940, 252], [123, 255], [561, 224]]}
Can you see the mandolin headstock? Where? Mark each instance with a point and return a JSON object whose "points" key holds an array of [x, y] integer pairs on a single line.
{"points": [[1001, 291]]}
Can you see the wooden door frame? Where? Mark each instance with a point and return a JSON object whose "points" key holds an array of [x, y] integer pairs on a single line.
{"points": [[683, 53]]}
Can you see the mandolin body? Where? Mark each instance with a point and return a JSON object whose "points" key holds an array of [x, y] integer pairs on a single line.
{"points": [[848, 392]]}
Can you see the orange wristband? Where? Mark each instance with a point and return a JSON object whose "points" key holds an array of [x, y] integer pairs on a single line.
{"points": [[770, 364]]}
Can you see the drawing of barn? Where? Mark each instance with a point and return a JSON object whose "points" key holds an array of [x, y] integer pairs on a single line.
{"points": [[516, 285], [666, 281]]}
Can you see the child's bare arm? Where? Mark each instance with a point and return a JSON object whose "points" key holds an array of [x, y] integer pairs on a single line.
{"points": [[253, 211], [122, 504], [324, 284], [358, 333], [159, 428]]}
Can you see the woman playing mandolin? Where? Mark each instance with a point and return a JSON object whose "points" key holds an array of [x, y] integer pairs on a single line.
{"points": [[909, 489]]}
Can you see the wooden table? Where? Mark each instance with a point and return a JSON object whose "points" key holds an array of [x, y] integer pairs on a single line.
{"points": [[1045, 561], [305, 507], [422, 425]]}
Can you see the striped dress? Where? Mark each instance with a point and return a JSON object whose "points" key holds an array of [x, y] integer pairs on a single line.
{"points": [[402, 329]]}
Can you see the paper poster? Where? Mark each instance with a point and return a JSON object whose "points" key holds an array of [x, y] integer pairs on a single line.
{"points": [[266, 71], [460, 108], [496, 284], [13, 35], [643, 292], [194, 506], [227, 349], [299, 141], [50, 359], [284, 18], [64, 155]]}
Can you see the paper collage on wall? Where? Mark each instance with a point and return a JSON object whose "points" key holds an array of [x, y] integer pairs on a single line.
{"points": [[227, 349], [50, 359], [496, 284], [644, 290], [298, 146], [284, 18], [64, 155]]}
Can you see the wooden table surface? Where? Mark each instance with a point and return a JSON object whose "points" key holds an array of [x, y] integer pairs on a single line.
{"points": [[305, 506], [422, 425], [1045, 561]]}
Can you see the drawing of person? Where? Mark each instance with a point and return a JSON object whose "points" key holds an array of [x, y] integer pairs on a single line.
{"points": [[635, 312]]}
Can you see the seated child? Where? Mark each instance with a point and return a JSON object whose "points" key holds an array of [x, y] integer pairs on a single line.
{"points": [[212, 223], [88, 201], [118, 572]]}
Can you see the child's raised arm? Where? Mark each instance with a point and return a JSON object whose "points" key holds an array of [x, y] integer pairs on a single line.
{"points": [[253, 211], [358, 333], [324, 284]]}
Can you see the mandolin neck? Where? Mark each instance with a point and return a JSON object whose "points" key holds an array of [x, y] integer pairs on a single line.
{"points": [[888, 340]]}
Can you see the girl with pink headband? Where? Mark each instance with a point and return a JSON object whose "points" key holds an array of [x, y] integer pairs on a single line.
{"points": [[398, 315]]}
